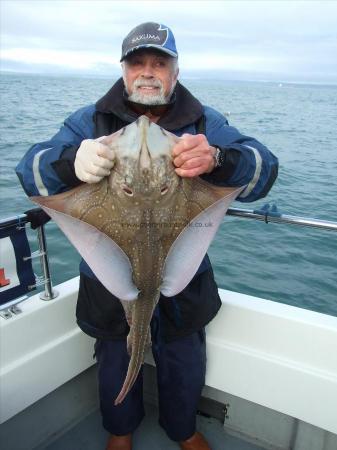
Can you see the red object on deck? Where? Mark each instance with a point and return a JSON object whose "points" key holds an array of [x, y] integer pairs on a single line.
{"points": [[3, 280]]}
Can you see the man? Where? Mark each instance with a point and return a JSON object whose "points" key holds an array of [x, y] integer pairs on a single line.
{"points": [[209, 148]]}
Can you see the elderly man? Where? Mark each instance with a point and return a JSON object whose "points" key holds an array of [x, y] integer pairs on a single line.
{"points": [[209, 148]]}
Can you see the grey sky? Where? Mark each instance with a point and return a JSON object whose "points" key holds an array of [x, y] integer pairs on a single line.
{"points": [[270, 40]]}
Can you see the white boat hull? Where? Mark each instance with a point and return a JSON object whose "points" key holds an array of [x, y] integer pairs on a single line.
{"points": [[274, 355]]}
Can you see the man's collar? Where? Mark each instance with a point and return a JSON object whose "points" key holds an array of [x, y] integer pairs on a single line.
{"points": [[185, 108]]}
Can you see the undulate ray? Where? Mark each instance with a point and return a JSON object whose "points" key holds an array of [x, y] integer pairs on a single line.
{"points": [[142, 230]]}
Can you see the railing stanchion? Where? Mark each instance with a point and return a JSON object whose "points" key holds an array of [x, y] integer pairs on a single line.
{"points": [[49, 293]]}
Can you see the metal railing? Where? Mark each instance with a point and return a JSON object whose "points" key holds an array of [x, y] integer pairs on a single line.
{"points": [[49, 293], [271, 214]]}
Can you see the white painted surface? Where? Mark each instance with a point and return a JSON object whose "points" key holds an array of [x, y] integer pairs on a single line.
{"points": [[40, 349], [276, 355], [271, 354]]}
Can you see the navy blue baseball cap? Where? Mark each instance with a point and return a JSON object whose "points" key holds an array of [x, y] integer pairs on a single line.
{"points": [[150, 35]]}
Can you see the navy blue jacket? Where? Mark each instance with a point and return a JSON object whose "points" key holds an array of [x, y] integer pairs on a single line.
{"points": [[48, 168]]}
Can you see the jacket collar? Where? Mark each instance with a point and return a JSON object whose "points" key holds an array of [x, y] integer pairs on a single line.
{"points": [[185, 110]]}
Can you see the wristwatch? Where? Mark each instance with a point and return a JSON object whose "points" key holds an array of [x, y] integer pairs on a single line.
{"points": [[218, 156]]}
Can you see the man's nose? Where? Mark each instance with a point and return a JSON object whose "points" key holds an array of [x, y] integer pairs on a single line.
{"points": [[148, 71]]}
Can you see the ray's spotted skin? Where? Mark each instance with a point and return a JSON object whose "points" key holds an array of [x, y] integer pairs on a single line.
{"points": [[146, 216]]}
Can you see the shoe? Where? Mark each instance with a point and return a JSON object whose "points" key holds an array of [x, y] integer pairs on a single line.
{"points": [[119, 442], [196, 442]]}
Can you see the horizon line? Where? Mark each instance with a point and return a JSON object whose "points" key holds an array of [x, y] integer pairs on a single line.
{"points": [[280, 81]]}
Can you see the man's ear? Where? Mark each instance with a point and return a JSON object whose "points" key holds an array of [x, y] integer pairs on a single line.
{"points": [[176, 74]]}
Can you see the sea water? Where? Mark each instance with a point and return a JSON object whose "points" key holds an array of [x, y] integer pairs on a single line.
{"points": [[283, 263]]}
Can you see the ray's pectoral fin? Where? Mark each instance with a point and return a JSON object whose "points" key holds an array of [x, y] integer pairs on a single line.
{"points": [[105, 258], [190, 247]]}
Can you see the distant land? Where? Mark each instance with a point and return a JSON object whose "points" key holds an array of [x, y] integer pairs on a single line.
{"points": [[200, 75]]}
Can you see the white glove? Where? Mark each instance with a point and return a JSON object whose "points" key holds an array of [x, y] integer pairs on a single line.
{"points": [[93, 161]]}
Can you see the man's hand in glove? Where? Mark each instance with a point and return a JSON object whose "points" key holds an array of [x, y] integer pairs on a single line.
{"points": [[93, 161]]}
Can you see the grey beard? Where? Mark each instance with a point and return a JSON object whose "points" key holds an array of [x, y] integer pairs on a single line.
{"points": [[149, 99]]}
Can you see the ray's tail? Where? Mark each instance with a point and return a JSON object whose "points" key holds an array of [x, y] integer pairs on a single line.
{"points": [[138, 340]]}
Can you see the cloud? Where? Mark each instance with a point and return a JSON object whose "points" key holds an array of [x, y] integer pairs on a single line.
{"points": [[295, 37], [83, 60]]}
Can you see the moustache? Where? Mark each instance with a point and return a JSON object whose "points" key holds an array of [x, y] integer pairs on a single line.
{"points": [[148, 83]]}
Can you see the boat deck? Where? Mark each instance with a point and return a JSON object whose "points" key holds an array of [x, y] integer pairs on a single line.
{"points": [[89, 435]]}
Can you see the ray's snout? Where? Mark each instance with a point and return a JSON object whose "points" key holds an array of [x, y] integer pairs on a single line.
{"points": [[143, 121]]}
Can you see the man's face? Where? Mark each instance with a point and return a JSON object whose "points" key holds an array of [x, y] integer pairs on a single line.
{"points": [[149, 76]]}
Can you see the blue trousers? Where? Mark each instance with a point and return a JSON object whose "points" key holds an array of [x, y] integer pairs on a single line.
{"points": [[181, 367]]}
